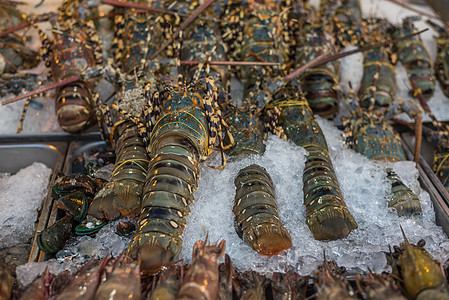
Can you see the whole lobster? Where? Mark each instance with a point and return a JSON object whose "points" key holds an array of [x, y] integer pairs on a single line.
{"points": [[74, 51], [184, 135]]}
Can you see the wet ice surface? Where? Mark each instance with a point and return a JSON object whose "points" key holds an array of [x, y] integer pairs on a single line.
{"points": [[364, 188], [20, 202], [77, 252]]}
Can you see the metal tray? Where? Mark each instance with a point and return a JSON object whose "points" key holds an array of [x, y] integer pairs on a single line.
{"points": [[74, 149], [429, 181], [14, 157]]}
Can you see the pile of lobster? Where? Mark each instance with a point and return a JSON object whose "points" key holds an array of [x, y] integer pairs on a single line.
{"points": [[415, 276], [162, 129]]}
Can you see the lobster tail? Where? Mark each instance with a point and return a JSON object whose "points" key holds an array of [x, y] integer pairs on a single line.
{"points": [[378, 81], [257, 219], [168, 192], [414, 56], [74, 107], [326, 212], [121, 195], [403, 200], [321, 93]]}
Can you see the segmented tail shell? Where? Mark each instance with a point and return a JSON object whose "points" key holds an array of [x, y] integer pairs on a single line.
{"points": [[378, 82], [414, 56], [327, 214], [74, 108], [121, 196], [319, 84], [257, 220], [403, 200], [168, 192]]}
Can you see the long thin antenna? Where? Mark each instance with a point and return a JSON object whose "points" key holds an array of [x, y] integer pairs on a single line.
{"points": [[43, 89]]}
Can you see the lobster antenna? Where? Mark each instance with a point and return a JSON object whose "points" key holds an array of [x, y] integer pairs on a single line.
{"points": [[41, 18], [326, 57], [43, 89], [142, 7], [407, 243], [186, 23]]}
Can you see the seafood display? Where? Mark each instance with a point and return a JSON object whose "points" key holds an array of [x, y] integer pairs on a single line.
{"points": [[307, 206]]}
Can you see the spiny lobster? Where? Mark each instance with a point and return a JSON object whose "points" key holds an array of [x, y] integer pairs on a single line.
{"points": [[378, 82], [346, 19], [184, 135], [442, 62], [369, 133], [74, 52], [253, 33], [319, 84], [413, 55], [327, 215], [14, 55]]}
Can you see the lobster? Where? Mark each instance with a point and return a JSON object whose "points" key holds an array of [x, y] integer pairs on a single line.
{"points": [[442, 61], [202, 278], [135, 39], [414, 56], [378, 83], [327, 214], [13, 52], [184, 135], [257, 220], [370, 134], [347, 21], [421, 276], [74, 51], [252, 34], [319, 84]]}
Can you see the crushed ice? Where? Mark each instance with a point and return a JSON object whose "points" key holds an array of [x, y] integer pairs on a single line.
{"points": [[20, 199], [77, 252], [365, 189]]}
